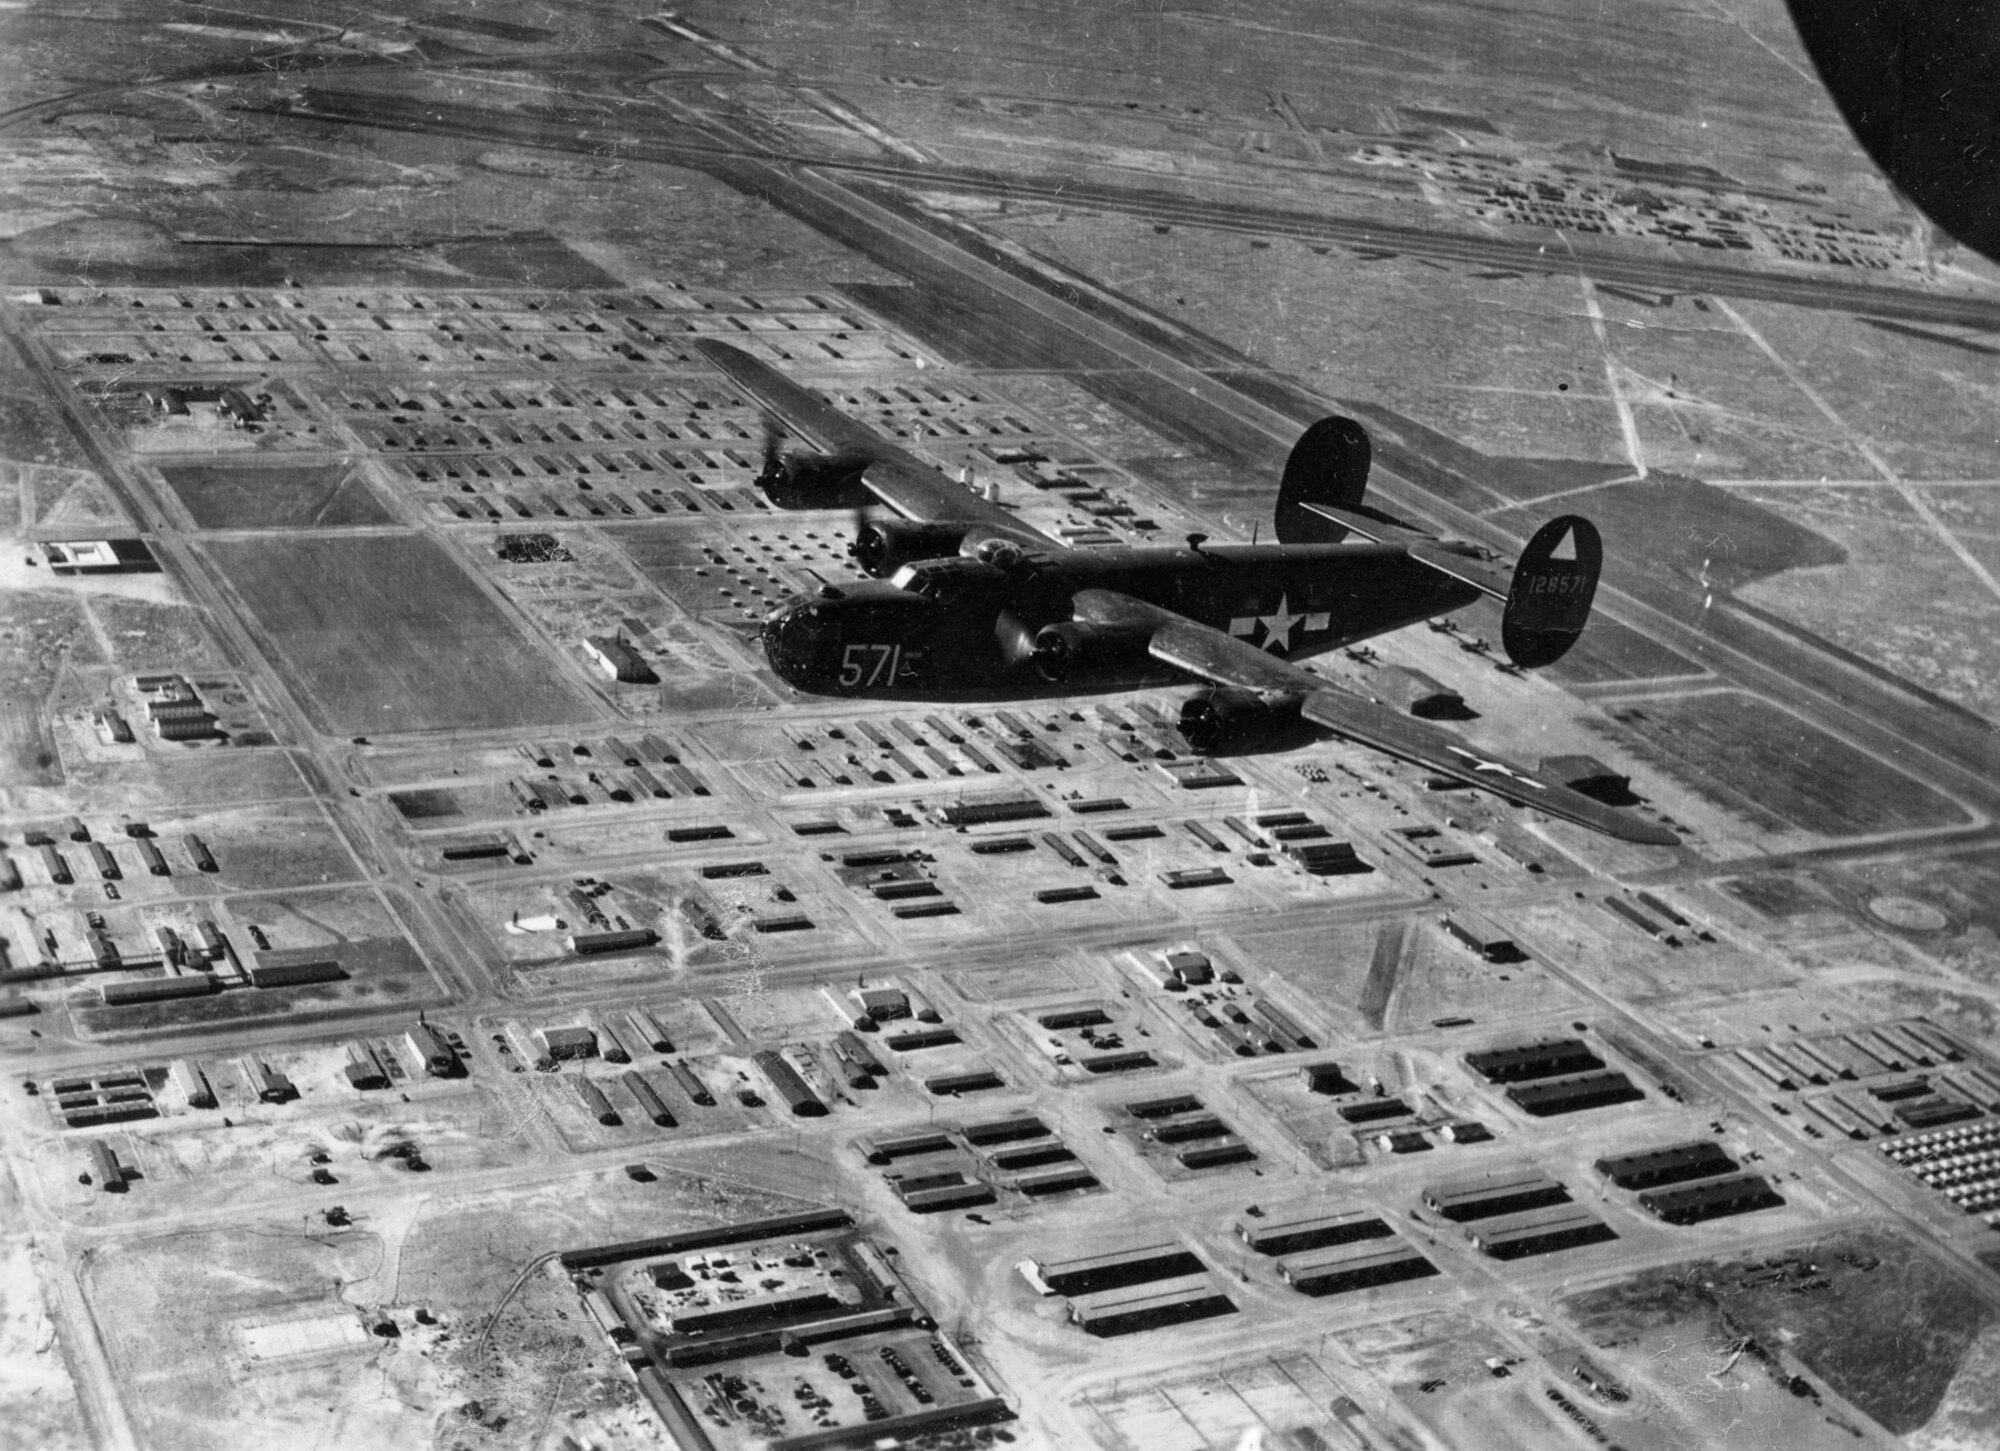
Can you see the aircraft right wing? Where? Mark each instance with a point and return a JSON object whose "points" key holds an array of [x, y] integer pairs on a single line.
{"points": [[903, 482], [1225, 660]]}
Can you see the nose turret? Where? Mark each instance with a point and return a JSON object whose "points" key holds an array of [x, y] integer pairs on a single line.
{"points": [[792, 635], [850, 639]]}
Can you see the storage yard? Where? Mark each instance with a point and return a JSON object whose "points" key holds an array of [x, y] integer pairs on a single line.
{"points": [[453, 993]]}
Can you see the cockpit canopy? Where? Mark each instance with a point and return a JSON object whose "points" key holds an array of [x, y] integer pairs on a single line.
{"points": [[949, 579]]}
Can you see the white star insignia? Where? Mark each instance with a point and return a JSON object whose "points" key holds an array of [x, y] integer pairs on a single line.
{"points": [[1497, 768], [1278, 626]]}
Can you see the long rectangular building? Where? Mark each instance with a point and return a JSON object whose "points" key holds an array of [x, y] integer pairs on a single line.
{"points": [[270, 1085], [295, 974], [1318, 1231], [1500, 1191], [191, 1083], [1214, 1153], [1698, 1160], [947, 1196], [1540, 1231], [1693, 1203], [649, 1031], [154, 989], [786, 1083], [648, 1099], [883, 1148], [1116, 1269], [1570, 1095], [1123, 1311], [691, 1084], [1355, 1267], [1055, 1181], [1548, 1058]]}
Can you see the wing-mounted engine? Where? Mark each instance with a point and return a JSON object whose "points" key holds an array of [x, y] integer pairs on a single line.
{"points": [[883, 546], [814, 481], [1084, 653], [803, 480], [1229, 718]]}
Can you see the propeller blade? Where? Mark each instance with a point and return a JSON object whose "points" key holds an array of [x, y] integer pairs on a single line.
{"points": [[772, 433]]}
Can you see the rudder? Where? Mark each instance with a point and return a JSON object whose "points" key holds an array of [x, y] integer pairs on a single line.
{"points": [[1554, 583], [1328, 465]]}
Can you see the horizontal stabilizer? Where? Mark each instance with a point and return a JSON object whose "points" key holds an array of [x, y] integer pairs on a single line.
{"points": [[1545, 599], [1370, 524]]}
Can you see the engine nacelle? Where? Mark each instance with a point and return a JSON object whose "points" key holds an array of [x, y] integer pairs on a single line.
{"points": [[1079, 651], [883, 546], [814, 481], [1228, 718]]}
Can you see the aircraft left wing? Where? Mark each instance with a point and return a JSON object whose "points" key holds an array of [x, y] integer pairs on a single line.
{"points": [[1209, 654], [903, 482]]}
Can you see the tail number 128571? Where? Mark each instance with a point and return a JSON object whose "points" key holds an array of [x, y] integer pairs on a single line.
{"points": [[863, 666]]}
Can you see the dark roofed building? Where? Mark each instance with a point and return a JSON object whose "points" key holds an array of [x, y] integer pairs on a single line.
{"points": [[1693, 1203], [570, 1041], [1698, 1160], [788, 1085], [1569, 1095], [1548, 1058], [1499, 1191], [1134, 1265]]}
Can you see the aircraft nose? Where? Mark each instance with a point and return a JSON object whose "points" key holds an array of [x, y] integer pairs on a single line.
{"points": [[790, 635]]}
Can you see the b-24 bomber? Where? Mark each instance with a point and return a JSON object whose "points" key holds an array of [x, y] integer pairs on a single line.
{"points": [[964, 601]]}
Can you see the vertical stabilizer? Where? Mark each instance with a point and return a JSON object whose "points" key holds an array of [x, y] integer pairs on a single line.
{"points": [[1328, 465]]}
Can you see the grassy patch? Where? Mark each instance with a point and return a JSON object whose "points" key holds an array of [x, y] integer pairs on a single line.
{"points": [[272, 495], [386, 633], [1752, 757], [1874, 1317]]}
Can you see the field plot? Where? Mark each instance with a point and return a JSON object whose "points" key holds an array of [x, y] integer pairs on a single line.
{"points": [[269, 494], [42, 632], [249, 1289], [1880, 1321], [365, 1141], [1611, 652], [386, 634], [1030, 974], [153, 634], [172, 783], [1291, 1400], [57, 499], [1901, 600], [1460, 1378], [197, 1324], [280, 844], [42, 1408], [1777, 769], [1740, 539]]}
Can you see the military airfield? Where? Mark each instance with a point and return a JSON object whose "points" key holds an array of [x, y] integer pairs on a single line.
{"points": [[418, 1035]]}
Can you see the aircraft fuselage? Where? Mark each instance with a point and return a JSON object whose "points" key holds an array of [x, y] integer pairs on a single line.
{"points": [[957, 626]]}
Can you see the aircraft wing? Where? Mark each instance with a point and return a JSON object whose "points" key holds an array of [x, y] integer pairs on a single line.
{"points": [[1209, 654], [903, 482]]}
